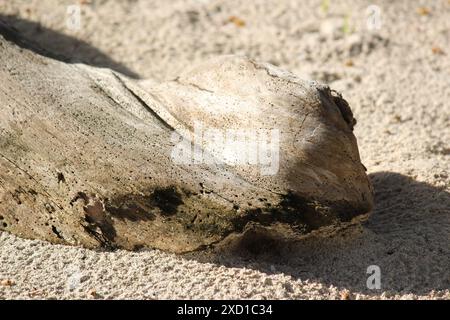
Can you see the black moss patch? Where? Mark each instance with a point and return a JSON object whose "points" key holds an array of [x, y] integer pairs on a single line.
{"points": [[167, 200], [301, 214], [130, 210], [97, 218], [132, 207]]}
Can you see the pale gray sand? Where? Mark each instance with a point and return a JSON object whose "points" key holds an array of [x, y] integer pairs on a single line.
{"points": [[396, 80]]}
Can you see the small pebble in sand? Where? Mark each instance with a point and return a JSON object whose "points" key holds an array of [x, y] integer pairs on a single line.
{"points": [[345, 294], [92, 293], [35, 293], [7, 283]]}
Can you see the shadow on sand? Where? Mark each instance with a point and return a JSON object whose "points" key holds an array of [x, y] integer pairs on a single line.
{"points": [[53, 44], [407, 235]]}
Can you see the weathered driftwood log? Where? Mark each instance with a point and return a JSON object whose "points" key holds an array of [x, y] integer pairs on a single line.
{"points": [[89, 157]]}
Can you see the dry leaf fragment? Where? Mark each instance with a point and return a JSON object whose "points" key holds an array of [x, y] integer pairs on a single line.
{"points": [[423, 11], [237, 21], [7, 282], [349, 63], [437, 50]]}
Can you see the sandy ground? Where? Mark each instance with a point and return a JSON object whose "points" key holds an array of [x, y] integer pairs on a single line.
{"points": [[396, 78]]}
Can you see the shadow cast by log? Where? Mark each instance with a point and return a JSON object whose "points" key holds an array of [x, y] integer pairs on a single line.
{"points": [[33, 36], [406, 235]]}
